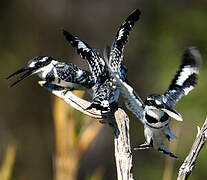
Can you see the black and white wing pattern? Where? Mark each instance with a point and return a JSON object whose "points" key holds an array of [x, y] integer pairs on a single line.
{"points": [[185, 78], [96, 63], [105, 96], [69, 72], [132, 101], [103, 92], [117, 48]]}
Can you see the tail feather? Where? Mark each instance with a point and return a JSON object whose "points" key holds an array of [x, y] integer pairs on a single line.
{"points": [[163, 149]]}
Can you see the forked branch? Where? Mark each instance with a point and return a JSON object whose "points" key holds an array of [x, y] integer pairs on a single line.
{"points": [[120, 127]]}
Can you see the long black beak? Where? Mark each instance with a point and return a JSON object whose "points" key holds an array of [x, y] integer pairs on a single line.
{"points": [[30, 71], [171, 112]]}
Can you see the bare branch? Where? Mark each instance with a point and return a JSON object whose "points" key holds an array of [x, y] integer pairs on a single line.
{"points": [[122, 146], [190, 161], [74, 101], [120, 127]]}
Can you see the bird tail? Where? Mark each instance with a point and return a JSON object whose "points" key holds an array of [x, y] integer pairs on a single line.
{"points": [[163, 149]]}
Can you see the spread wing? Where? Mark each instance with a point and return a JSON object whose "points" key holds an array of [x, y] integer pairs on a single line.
{"points": [[186, 76], [96, 63], [132, 101], [103, 92], [116, 53]]}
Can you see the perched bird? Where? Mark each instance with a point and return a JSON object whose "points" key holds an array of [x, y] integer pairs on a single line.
{"points": [[105, 95], [157, 109], [63, 74]]}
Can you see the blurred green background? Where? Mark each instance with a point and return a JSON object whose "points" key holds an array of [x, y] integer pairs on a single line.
{"points": [[153, 54]]}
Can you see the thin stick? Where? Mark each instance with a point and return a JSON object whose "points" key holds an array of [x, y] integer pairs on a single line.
{"points": [[190, 161]]}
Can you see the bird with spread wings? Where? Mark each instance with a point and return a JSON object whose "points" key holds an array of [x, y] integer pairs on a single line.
{"points": [[156, 111]]}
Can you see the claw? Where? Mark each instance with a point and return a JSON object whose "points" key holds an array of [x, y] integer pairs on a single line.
{"points": [[144, 146]]}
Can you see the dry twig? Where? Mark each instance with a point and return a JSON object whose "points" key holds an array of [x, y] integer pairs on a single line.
{"points": [[190, 161], [122, 146]]}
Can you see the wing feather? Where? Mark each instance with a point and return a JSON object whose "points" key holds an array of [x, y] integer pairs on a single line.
{"points": [[96, 63], [122, 36], [132, 101]]}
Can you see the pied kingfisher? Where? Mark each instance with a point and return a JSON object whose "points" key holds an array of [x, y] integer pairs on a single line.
{"points": [[63, 74], [157, 109], [105, 95]]}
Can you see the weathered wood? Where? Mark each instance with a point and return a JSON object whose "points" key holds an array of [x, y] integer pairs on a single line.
{"points": [[74, 101], [122, 146], [190, 161], [120, 127]]}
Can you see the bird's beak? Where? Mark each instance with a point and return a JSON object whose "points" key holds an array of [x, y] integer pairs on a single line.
{"points": [[172, 113], [28, 73]]}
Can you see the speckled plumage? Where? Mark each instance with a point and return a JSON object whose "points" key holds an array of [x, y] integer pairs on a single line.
{"points": [[95, 61], [63, 74], [71, 73], [122, 36]]}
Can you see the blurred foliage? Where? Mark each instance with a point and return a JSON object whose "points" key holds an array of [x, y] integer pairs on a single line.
{"points": [[156, 44], [8, 162], [70, 143], [97, 175]]}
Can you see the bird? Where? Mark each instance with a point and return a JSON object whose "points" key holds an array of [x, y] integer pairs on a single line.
{"points": [[62, 74], [155, 112], [105, 95]]}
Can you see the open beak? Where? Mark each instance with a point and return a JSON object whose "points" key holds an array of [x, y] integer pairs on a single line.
{"points": [[172, 113], [28, 73]]}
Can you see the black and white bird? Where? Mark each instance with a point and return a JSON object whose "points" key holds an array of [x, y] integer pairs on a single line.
{"points": [[157, 109], [63, 74], [105, 95]]}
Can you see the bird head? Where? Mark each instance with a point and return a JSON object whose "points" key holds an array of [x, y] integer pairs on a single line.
{"points": [[156, 101], [34, 66]]}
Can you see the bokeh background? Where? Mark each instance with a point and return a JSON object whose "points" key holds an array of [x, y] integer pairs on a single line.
{"points": [[29, 114]]}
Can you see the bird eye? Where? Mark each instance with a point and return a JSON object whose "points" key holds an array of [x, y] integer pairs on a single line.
{"points": [[38, 64], [42, 64]]}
